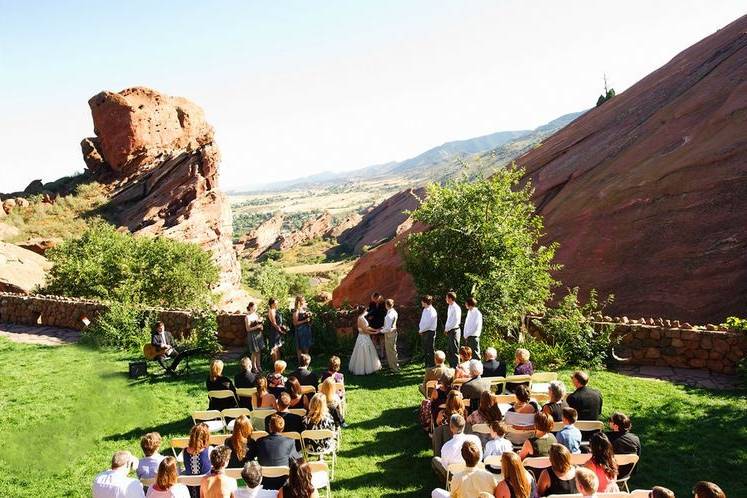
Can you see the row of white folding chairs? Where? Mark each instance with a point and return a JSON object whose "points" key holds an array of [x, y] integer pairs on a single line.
{"points": [[320, 476], [538, 382], [216, 419], [180, 443], [249, 392], [517, 437]]}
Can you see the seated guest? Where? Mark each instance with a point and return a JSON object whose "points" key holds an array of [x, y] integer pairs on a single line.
{"points": [[523, 367], [472, 481], [299, 483], [217, 484], [517, 481], [705, 489], [623, 441], [276, 380], [569, 436], [166, 485], [440, 393], [240, 442], [334, 402], [603, 464], [274, 450], [491, 367], [560, 478], [451, 451], [661, 492], [246, 378], [196, 455], [454, 406], [147, 467], [263, 398], [293, 388], [435, 372], [474, 387], [333, 370], [167, 348], [318, 418], [292, 422], [587, 482], [487, 411], [539, 444], [555, 406], [216, 381], [304, 375], [252, 476], [498, 444], [462, 369], [521, 413], [115, 481], [586, 401]]}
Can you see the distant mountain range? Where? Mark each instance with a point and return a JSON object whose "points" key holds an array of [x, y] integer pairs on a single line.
{"points": [[470, 157]]}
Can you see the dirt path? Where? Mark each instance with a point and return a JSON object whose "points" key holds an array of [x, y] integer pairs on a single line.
{"points": [[40, 335]]}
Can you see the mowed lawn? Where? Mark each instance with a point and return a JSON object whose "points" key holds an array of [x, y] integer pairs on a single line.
{"points": [[65, 410]]}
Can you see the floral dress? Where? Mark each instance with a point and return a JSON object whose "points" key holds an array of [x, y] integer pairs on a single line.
{"points": [[321, 446]]}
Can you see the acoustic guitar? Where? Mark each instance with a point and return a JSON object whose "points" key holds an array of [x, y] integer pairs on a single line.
{"points": [[151, 352]]}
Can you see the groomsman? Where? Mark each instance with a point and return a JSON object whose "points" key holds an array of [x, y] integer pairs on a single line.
{"points": [[473, 327], [452, 330], [427, 329]]}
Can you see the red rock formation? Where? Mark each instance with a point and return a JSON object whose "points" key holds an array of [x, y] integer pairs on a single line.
{"points": [[382, 222], [254, 243], [165, 165], [20, 269], [311, 229], [40, 245], [346, 224]]}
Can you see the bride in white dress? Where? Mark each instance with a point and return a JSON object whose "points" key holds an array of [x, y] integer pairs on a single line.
{"points": [[365, 359]]}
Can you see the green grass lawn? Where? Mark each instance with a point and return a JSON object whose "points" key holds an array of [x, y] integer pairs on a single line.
{"points": [[65, 410]]}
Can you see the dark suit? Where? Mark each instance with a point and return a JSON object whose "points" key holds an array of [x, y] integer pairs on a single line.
{"points": [[472, 390], [245, 379], [293, 422], [274, 451], [376, 314], [493, 368], [306, 377], [587, 402], [168, 340], [624, 443]]}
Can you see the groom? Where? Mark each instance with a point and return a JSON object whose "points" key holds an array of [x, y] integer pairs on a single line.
{"points": [[390, 335]]}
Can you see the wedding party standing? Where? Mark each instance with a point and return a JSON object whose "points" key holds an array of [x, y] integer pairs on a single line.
{"points": [[427, 329], [302, 324], [255, 341], [452, 328], [473, 327], [364, 360], [275, 329]]}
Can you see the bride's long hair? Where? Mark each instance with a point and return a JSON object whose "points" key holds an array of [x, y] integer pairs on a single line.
{"points": [[360, 310]]}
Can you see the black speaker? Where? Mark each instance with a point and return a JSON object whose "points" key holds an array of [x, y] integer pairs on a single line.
{"points": [[138, 369]]}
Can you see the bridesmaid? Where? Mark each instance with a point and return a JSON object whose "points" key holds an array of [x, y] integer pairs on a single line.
{"points": [[302, 323], [275, 329], [255, 341]]}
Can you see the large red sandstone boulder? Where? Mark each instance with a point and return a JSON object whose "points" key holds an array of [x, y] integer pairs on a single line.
{"points": [[256, 242], [311, 229], [349, 222], [20, 269], [40, 245]]}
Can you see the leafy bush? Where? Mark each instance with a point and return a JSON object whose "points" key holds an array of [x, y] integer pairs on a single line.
{"points": [[484, 240], [271, 280], [543, 356], [204, 333], [106, 264], [736, 323], [121, 326], [570, 327]]}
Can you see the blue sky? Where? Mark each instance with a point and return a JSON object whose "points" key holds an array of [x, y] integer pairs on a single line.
{"points": [[295, 88]]}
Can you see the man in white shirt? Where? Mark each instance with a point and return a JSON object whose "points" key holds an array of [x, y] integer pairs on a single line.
{"points": [[390, 336], [473, 327], [252, 476], [427, 329], [451, 451], [114, 483], [451, 329]]}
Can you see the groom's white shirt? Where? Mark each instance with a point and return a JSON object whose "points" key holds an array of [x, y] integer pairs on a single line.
{"points": [[428, 320], [389, 321]]}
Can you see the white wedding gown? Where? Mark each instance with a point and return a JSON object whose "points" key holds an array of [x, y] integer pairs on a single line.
{"points": [[365, 359]]}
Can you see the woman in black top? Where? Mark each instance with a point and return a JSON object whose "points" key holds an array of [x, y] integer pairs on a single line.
{"points": [[216, 381], [243, 447], [560, 478], [555, 406]]}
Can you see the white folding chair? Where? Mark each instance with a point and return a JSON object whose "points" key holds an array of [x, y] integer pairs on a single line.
{"points": [[218, 439], [535, 465], [580, 458], [632, 460], [212, 418], [223, 394], [541, 381], [147, 481], [429, 387], [519, 379], [246, 392], [589, 425], [321, 435], [640, 493], [492, 461], [320, 476], [258, 417], [481, 429], [557, 426], [233, 472], [189, 480], [256, 435], [541, 398], [496, 384], [233, 414], [279, 471], [301, 412], [179, 443], [308, 390]]}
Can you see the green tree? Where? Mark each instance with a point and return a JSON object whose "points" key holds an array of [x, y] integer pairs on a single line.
{"points": [[484, 240]]}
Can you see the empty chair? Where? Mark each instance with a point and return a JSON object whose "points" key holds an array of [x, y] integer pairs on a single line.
{"points": [[320, 477], [625, 460], [234, 413]]}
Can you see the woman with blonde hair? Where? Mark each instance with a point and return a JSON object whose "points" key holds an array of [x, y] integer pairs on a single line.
{"points": [[166, 485], [276, 380], [523, 367], [302, 324], [216, 381], [517, 481], [560, 478], [318, 418], [454, 406], [327, 388], [240, 442], [197, 455]]}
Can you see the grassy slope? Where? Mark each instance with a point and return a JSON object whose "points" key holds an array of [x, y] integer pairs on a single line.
{"points": [[63, 411]]}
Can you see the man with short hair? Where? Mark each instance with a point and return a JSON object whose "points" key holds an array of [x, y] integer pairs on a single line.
{"points": [[245, 378], [473, 327], [705, 489], [569, 436], [491, 367], [586, 401], [661, 492], [390, 336], [252, 476], [474, 387], [451, 451], [292, 422], [435, 372], [452, 329], [115, 483], [470, 482], [303, 373], [166, 348], [427, 329], [274, 450], [375, 316]]}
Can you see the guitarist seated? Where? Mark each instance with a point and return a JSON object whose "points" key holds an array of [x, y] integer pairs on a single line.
{"points": [[165, 346]]}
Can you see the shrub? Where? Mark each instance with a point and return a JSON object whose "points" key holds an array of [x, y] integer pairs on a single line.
{"points": [[204, 333], [736, 323], [121, 326], [271, 280], [106, 264]]}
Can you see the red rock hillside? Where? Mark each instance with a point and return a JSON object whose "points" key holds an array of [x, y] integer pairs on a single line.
{"points": [[159, 150], [647, 194]]}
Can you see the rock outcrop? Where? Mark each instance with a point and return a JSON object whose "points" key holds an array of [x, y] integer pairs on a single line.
{"points": [[20, 269], [164, 162], [311, 229], [256, 242], [382, 222], [40, 245], [349, 222]]}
